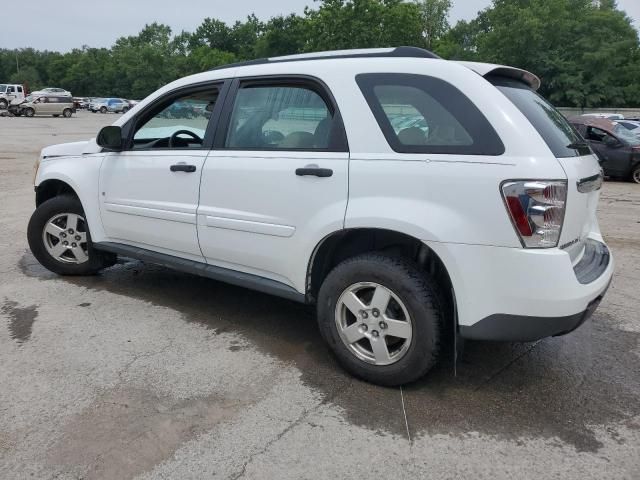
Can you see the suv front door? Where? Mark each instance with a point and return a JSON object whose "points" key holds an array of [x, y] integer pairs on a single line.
{"points": [[149, 191], [277, 182]]}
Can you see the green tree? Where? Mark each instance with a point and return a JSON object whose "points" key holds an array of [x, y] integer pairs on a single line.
{"points": [[340, 24], [582, 50], [433, 14]]}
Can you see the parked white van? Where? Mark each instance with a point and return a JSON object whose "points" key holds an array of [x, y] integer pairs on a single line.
{"points": [[402, 194]]}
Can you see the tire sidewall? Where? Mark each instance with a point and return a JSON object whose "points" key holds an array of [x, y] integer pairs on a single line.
{"points": [[29, 112], [67, 113], [424, 348]]}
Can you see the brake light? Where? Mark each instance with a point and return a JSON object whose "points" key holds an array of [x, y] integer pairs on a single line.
{"points": [[536, 208]]}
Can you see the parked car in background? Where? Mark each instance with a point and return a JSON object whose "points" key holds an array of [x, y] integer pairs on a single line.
{"points": [[114, 105], [617, 148], [295, 183], [58, 92], [95, 104], [10, 93], [81, 102], [45, 105]]}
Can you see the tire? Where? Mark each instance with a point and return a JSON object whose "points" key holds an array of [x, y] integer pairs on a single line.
{"points": [[125, 110], [67, 113], [61, 210], [407, 360], [635, 174], [3, 104], [29, 112], [103, 109]]}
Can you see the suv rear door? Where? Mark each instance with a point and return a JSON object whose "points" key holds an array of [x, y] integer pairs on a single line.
{"points": [[276, 182]]}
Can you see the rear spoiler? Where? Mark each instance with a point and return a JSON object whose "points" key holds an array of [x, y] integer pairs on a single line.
{"points": [[486, 69]]}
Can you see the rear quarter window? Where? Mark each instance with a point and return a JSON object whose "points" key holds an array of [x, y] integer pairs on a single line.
{"points": [[423, 114], [560, 136]]}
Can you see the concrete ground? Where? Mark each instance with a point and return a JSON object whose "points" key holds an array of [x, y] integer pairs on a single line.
{"points": [[142, 372]]}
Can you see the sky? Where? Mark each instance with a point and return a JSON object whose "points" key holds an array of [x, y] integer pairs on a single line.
{"points": [[74, 23]]}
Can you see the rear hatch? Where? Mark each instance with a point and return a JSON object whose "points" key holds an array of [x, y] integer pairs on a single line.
{"points": [[584, 175]]}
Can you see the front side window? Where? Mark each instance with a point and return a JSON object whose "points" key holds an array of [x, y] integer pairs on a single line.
{"points": [[179, 123], [279, 118], [422, 114]]}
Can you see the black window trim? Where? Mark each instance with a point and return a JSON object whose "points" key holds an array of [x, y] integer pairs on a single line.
{"points": [[338, 137], [368, 81], [223, 85]]}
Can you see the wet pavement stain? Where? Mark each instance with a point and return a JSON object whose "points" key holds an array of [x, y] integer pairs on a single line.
{"points": [[557, 389], [21, 319], [126, 432]]}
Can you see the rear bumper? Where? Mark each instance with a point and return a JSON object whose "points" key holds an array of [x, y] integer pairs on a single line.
{"points": [[519, 328], [517, 294]]}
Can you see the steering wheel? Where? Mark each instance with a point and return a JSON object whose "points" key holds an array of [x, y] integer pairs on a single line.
{"points": [[173, 137]]}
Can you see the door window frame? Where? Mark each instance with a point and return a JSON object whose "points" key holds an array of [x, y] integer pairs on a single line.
{"points": [[337, 138], [155, 107]]}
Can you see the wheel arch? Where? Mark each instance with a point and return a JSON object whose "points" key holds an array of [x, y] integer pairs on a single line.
{"points": [[343, 244], [52, 188]]}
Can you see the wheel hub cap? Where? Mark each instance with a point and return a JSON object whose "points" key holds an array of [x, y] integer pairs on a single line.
{"points": [[373, 323], [56, 238]]}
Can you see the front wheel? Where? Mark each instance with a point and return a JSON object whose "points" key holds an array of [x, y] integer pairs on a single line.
{"points": [[59, 238], [103, 109], [3, 104], [125, 110], [29, 112], [635, 174], [382, 317]]}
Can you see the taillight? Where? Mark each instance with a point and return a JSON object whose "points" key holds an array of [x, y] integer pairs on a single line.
{"points": [[536, 208]]}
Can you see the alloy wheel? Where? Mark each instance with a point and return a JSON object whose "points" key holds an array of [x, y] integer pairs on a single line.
{"points": [[373, 323], [65, 238]]}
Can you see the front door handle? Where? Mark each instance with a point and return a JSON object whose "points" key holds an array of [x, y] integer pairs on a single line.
{"points": [[183, 167], [314, 170]]}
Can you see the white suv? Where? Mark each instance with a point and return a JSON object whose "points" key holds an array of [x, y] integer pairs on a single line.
{"points": [[408, 197]]}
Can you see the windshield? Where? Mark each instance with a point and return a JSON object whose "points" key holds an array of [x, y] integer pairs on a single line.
{"points": [[626, 136], [563, 140]]}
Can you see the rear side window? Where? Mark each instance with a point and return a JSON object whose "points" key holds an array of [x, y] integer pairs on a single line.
{"points": [[422, 114], [562, 138], [280, 117]]}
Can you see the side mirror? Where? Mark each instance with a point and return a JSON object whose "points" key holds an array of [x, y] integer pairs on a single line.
{"points": [[110, 138]]}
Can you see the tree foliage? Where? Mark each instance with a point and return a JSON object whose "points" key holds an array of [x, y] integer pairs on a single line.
{"points": [[586, 52]]}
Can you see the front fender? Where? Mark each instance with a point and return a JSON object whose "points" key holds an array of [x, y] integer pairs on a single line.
{"points": [[82, 174]]}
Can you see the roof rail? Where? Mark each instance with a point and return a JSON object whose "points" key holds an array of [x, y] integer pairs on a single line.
{"points": [[402, 52]]}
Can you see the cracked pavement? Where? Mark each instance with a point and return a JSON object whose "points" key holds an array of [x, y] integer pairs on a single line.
{"points": [[142, 372]]}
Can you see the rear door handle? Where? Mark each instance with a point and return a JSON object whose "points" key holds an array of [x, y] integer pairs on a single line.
{"points": [[182, 167], [314, 170]]}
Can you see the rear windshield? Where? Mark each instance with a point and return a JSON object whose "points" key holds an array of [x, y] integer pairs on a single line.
{"points": [[562, 138]]}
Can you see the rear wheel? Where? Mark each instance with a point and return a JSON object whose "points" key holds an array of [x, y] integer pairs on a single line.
{"points": [[67, 113], [59, 238], [29, 112], [382, 318], [635, 175]]}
